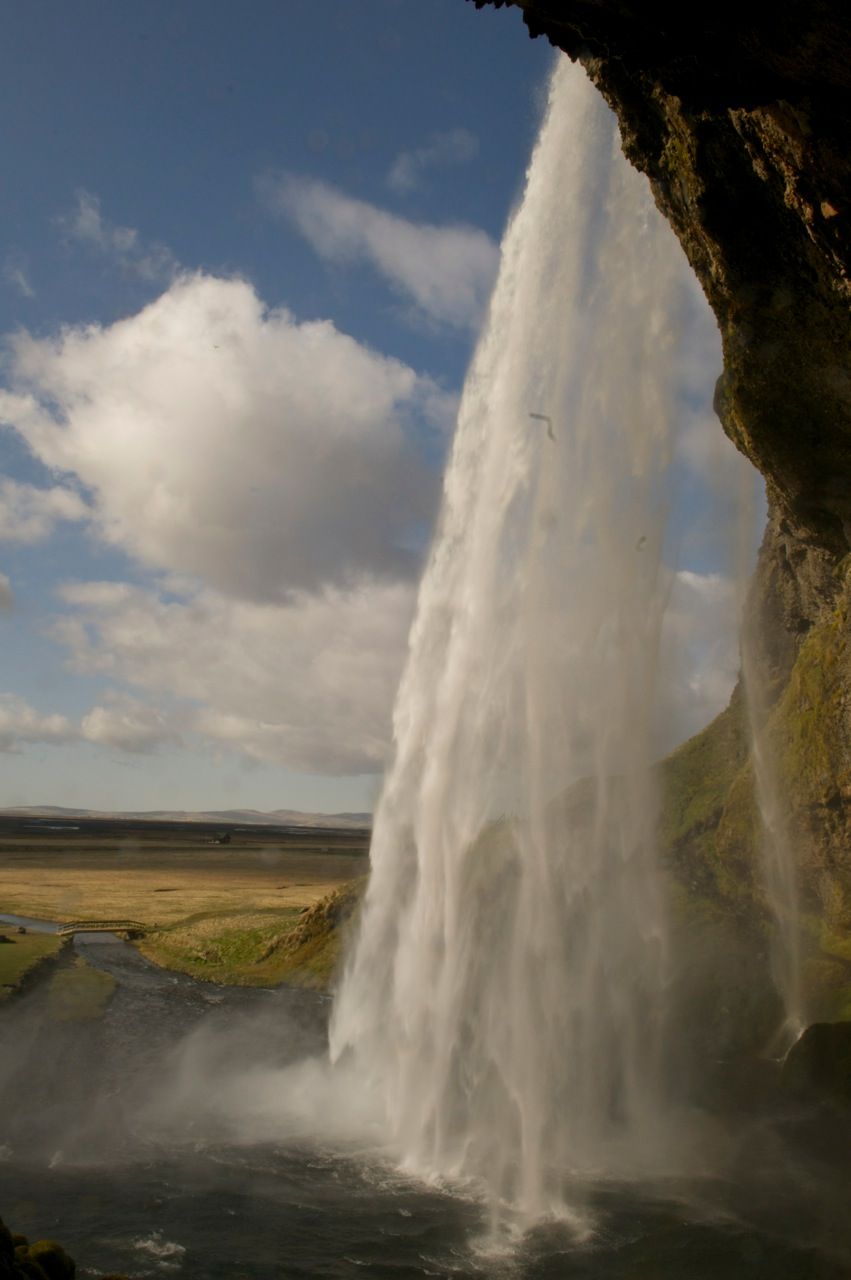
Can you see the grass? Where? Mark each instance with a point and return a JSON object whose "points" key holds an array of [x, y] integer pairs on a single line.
{"points": [[220, 914], [20, 956], [163, 878], [230, 947], [696, 778], [156, 895], [260, 948], [311, 954]]}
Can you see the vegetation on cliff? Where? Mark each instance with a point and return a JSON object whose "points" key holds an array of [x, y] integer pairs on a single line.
{"points": [[711, 834], [259, 948], [21, 1259]]}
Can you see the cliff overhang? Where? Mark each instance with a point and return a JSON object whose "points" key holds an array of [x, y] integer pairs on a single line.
{"points": [[740, 116]]}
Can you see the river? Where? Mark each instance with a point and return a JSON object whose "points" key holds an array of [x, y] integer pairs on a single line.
{"points": [[173, 1136]]}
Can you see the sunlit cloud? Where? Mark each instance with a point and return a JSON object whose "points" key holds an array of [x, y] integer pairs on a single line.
{"points": [[221, 439], [446, 272]]}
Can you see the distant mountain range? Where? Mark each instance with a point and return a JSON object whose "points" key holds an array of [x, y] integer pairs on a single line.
{"points": [[233, 817]]}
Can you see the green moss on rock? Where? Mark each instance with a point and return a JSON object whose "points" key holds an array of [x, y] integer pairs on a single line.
{"points": [[310, 953], [52, 1260], [710, 827], [708, 822]]}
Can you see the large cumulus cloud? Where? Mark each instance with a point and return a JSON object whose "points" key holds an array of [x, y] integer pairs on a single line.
{"points": [[270, 478], [268, 475], [228, 441]]}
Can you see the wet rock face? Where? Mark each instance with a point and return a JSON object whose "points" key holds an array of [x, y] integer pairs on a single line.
{"points": [[740, 115]]}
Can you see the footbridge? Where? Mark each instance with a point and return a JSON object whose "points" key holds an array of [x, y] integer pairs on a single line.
{"points": [[129, 928]]}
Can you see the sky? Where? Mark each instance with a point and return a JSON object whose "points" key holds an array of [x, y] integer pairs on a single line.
{"points": [[244, 256]]}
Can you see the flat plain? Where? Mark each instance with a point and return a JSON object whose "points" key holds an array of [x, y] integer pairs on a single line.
{"points": [[210, 909], [159, 873]]}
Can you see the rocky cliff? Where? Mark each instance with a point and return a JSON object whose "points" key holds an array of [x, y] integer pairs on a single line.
{"points": [[740, 115]]}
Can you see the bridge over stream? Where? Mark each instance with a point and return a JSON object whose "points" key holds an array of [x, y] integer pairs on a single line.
{"points": [[129, 928]]}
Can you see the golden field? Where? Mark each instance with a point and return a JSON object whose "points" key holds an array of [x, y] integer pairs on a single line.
{"points": [[216, 912], [161, 878]]}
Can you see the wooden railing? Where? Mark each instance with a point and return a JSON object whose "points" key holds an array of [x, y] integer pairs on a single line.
{"points": [[103, 926]]}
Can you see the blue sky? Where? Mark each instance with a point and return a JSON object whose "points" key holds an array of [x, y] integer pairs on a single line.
{"points": [[243, 258]]}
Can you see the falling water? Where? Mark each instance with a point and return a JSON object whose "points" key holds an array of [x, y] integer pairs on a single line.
{"points": [[779, 859], [506, 993]]}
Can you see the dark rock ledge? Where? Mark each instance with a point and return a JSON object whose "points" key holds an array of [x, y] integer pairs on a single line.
{"points": [[39, 1260]]}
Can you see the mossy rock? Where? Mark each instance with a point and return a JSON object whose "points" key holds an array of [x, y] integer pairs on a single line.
{"points": [[309, 954], [711, 835], [41, 1260], [52, 1259], [708, 820]]}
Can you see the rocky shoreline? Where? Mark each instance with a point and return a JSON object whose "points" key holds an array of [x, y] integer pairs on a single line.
{"points": [[21, 1259]]}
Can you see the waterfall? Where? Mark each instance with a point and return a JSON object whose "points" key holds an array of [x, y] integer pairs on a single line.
{"points": [[505, 996], [779, 857]]}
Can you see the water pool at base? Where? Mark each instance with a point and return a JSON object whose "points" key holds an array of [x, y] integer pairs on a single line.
{"points": [[108, 1144]]}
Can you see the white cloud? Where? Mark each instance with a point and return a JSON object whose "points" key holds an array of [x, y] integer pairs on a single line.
{"points": [[124, 723], [224, 440], [446, 271], [7, 597], [21, 724], [711, 454], [135, 256], [699, 656], [455, 146], [271, 473], [15, 273], [129, 725], [309, 683], [29, 514]]}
